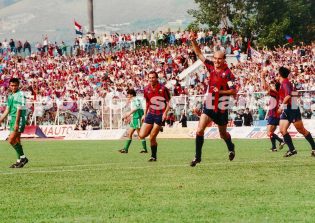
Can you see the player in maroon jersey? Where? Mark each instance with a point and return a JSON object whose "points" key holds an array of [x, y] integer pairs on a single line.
{"points": [[157, 98], [290, 113], [220, 88], [273, 115]]}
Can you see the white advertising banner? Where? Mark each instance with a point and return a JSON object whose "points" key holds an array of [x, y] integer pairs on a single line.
{"points": [[56, 130], [95, 134], [243, 132]]}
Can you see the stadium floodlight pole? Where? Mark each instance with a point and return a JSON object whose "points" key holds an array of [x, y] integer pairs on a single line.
{"points": [[90, 16]]}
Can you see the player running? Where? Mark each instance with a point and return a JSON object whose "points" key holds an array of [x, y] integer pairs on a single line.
{"points": [[157, 106], [136, 114]]}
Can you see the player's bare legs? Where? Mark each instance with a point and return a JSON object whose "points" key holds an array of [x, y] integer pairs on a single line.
{"points": [[15, 140], [300, 128], [128, 142], [145, 130], [144, 146], [284, 125], [273, 137]]}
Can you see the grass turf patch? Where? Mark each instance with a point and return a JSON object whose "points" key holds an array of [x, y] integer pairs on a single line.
{"points": [[89, 181]]}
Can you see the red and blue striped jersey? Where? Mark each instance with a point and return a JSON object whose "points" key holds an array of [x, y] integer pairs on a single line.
{"points": [[286, 89], [273, 104], [222, 80], [156, 98]]}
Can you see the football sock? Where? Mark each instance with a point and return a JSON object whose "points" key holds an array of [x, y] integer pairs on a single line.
{"points": [[128, 142], [144, 145], [288, 140], [154, 151], [19, 150], [310, 139], [273, 141], [229, 143], [277, 138], [199, 144]]}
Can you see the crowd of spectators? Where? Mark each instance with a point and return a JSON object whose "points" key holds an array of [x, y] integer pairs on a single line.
{"points": [[110, 64]]}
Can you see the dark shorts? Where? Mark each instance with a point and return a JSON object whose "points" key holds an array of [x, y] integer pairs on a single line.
{"points": [[292, 115], [273, 121], [151, 119], [219, 117]]}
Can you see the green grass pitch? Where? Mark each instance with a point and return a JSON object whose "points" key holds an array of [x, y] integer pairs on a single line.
{"points": [[89, 181]]}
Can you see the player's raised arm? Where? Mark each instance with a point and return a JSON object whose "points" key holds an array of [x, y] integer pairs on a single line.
{"points": [[263, 81], [195, 46]]}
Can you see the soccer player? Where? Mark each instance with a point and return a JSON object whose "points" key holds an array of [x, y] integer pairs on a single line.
{"points": [[220, 88], [273, 115], [290, 113], [136, 112], [157, 106], [17, 111]]}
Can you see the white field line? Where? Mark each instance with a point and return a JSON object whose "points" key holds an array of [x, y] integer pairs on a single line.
{"points": [[68, 168]]}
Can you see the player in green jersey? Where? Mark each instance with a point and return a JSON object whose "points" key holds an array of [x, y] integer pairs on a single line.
{"points": [[16, 109], [136, 114]]}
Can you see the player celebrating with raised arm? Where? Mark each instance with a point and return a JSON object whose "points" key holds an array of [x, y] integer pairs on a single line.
{"points": [[136, 112], [290, 113], [273, 115], [16, 109], [157, 106], [220, 87]]}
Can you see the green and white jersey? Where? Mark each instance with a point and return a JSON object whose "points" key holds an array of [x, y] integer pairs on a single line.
{"points": [[136, 103], [17, 101]]}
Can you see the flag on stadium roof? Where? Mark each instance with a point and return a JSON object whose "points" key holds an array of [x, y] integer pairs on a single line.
{"points": [[289, 38], [78, 28]]}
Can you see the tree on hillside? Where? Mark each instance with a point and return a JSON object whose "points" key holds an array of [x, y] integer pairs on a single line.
{"points": [[216, 12], [275, 19], [268, 20]]}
